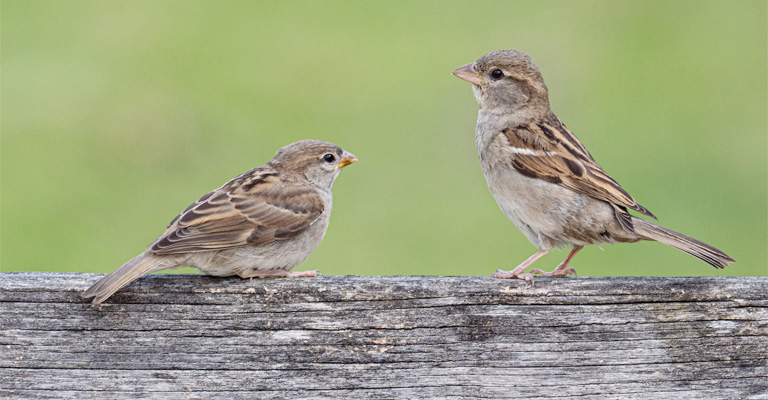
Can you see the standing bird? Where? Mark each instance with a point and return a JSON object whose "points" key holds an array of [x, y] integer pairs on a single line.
{"points": [[543, 178], [261, 224]]}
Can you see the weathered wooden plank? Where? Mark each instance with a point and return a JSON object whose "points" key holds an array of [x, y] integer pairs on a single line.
{"points": [[175, 337]]}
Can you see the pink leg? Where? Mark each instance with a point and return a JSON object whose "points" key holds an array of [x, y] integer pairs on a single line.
{"points": [[517, 273], [277, 273], [563, 269]]}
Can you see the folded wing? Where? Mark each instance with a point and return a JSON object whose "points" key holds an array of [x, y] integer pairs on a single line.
{"points": [[254, 208], [561, 159]]}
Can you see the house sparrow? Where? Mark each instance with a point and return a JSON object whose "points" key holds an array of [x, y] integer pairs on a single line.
{"points": [[543, 178], [259, 224]]}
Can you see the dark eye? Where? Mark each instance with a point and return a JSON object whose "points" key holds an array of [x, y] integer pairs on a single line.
{"points": [[329, 158], [497, 74]]}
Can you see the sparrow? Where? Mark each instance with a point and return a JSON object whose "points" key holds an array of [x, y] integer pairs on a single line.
{"points": [[543, 178], [260, 224]]}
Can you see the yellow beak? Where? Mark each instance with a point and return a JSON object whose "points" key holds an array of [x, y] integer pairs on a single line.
{"points": [[469, 74], [348, 159]]}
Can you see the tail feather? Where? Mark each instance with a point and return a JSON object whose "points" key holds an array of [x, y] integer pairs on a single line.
{"points": [[696, 248], [117, 279]]}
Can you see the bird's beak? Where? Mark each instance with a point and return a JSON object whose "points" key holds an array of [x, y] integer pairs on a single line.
{"points": [[469, 74], [348, 159]]}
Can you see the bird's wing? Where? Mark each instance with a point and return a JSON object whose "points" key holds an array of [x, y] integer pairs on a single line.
{"points": [[254, 208], [549, 151]]}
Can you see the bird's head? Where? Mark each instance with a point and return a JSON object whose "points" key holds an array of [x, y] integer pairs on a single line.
{"points": [[319, 162], [506, 81]]}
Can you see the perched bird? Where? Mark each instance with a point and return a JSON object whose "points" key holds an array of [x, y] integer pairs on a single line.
{"points": [[260, 224], [543, 178]]}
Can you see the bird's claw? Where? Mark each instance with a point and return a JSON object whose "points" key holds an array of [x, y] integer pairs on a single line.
{"points": [[557, 272], [513, 275], [303, 274]]}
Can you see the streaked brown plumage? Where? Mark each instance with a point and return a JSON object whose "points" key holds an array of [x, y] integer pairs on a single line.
{"points": [[558, 157], [543, 178], [262, 223]]}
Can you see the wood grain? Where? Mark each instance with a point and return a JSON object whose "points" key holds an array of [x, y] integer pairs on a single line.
{"points": [[410, 337]]}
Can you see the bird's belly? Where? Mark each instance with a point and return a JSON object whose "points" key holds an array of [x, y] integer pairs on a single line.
{"points": [[546, 213]]}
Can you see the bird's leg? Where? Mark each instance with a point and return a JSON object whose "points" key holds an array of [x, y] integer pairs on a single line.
{"points": [[517, 273], [276, 273], [563, 269]]}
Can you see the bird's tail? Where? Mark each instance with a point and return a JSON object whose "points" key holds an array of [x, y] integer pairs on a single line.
{"points": [[696, 248], [114, 281]]}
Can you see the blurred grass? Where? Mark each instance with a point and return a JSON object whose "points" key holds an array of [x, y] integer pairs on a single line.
{"points": [[118, 114]]}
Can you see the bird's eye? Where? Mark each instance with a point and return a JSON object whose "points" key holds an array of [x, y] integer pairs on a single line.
{"points": [[497, 74], [329, 158]]}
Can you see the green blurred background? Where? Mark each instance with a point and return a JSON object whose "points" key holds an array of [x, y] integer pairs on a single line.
{"points": [[118, 114]]}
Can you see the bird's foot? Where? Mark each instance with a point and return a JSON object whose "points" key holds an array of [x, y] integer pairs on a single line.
{"points": [[563, 269], [560, 272], [518, 272], [277, 273], [514, 274]]}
